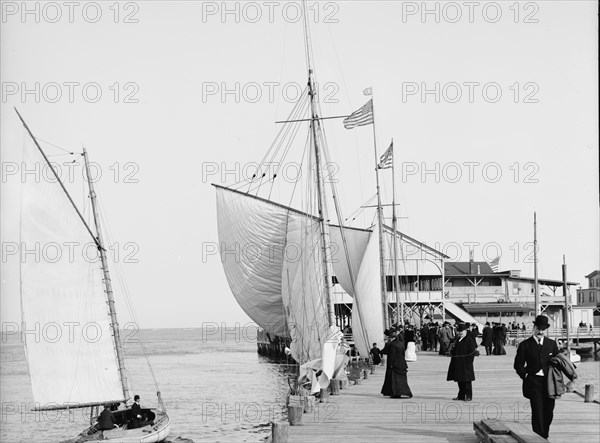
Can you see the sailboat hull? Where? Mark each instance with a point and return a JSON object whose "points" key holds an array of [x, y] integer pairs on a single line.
{"points": [[157, 432]]}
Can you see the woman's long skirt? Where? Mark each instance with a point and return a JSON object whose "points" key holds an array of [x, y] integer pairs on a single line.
{"points": [[395, 384]]}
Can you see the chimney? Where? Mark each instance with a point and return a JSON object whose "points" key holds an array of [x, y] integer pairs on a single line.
{"points": [[471, 262]]}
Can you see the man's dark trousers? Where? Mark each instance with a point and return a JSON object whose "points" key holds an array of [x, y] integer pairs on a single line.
{"points": [[542, 407]]}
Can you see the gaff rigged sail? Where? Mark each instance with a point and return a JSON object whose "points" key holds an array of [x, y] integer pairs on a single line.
{"points": [[68, 338]]}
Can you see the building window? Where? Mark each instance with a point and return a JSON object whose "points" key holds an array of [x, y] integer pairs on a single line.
{"points": [[592, 296], [598, 282], [580, 297]]}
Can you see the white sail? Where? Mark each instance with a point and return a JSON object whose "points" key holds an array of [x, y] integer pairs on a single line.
{"points": [[253, 239], [367, 313], [252, 235], [66, 325], [303, 289], [356, 241]]}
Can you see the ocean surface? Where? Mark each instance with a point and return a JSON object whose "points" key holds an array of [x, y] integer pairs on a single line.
{"points": [[216, 388], [214, 385]]}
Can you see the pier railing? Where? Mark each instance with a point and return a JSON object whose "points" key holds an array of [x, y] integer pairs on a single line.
{"points": [[578, 333]]}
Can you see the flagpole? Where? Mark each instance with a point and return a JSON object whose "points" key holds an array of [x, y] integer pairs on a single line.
{"points": [[380, 223], [536, 291], [399, 303]]}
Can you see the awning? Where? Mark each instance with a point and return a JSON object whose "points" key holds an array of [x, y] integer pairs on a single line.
{"points": [[495, 308]]}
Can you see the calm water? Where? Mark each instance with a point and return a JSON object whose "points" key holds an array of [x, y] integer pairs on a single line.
{"points": [[215, 387]]}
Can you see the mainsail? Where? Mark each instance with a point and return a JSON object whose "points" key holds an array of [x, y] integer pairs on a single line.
{"points": [[64, 312], [252, 235], [270, 251]]}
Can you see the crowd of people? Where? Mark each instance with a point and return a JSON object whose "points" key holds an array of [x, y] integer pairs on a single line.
{"points": [[536, 361]]}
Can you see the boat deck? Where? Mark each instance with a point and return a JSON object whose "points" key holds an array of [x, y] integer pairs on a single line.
{"points": [[360, 413]]}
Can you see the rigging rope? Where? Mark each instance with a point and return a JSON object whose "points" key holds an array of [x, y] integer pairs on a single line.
{"points": [[125, 290]]}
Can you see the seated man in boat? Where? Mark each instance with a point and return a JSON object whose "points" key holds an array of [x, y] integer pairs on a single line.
{"points": [[106, 420], [136, 413]]}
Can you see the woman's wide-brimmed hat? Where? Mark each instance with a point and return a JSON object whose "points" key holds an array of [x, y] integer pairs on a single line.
{"points": [[541, 322]]}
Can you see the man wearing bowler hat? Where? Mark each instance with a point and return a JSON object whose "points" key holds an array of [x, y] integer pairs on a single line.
{"points": [[531, 363], [461, 369]]}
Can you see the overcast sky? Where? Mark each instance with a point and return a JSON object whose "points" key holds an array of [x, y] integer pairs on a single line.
{"points": [[492, 108]]}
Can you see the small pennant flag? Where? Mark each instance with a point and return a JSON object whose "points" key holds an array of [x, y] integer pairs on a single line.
{"points": [[362, 117], [387, 159], [368, 91], [495, 264]]}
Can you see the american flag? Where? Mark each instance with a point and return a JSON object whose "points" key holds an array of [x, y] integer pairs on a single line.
{"points": [[362, 117], [386, 160], [495, 264]]}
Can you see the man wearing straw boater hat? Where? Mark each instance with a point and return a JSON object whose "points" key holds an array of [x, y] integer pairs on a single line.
{"points": [[531, 363]]}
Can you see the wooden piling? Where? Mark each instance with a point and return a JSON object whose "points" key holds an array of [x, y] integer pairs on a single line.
{"points": [[280, 432], [295, 415], [335, 387], [324, 395], [365, 374]]}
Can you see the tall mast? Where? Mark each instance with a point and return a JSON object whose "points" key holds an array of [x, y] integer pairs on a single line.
{"points": [[380, 227], [322, 203], [536, 290], [57, 177], [567, 313], [107, 284], [399, 303]]}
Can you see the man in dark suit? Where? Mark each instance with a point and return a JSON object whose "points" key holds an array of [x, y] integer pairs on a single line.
{"points": [[486, 339], [136, 413], [375, 354], [461, 369], [106, 420], [531, 363]]}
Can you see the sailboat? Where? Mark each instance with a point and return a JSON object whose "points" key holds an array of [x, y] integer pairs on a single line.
{"points": [[280, 261], [79, 362]]}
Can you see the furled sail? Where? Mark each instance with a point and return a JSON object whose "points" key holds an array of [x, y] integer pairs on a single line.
{"points": [[303, 289], [367, 314], [68, 339]]}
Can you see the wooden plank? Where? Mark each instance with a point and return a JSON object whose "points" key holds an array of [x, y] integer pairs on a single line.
{"points": [[494, 427], [502, 439], [524, 434]]}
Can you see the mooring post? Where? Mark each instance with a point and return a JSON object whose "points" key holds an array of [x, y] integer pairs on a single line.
{"points": [[324, 397], [335, 386], [589, 394]]}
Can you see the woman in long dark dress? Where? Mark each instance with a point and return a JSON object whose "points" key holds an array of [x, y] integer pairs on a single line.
{"points": [[395, 384]]}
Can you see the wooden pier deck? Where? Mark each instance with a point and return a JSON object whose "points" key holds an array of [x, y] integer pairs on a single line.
{"points": [[361, 414]]}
